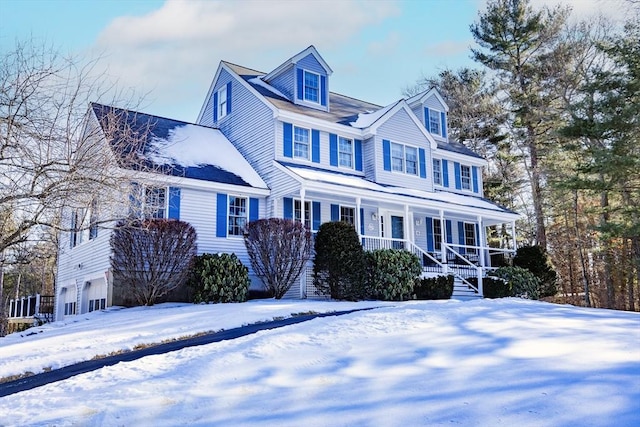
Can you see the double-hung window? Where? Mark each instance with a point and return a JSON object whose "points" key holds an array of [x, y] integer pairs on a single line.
{"points": [[301, 143], [397, 157], [470, 236], [411, 160], [465, 177], [311, 86], [222, 102], [238, 215], [435, 126], [297, 212], [348, 215], [404, 159], [437, 234], [155, 202], [437, 172], [345, 152]]}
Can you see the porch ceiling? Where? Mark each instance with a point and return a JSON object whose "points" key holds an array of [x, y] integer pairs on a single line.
{"points": [[336, 183]]}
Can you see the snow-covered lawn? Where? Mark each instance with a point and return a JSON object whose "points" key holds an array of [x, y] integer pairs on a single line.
{"points": [[503, 362]]}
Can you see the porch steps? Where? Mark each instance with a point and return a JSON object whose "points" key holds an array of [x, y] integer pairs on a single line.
{"points": [[462, 291]]}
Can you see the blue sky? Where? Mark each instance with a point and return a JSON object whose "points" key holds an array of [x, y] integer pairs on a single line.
{"points": [[168, 51]]}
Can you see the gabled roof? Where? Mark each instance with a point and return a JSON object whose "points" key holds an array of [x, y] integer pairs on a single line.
{"points": [[423, 96], [311, 50], [171, 147]]}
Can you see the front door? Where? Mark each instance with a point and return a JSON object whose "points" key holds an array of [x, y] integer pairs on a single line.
{"points": [[397, 231]]}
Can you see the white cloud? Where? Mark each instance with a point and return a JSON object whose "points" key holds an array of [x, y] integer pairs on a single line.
{"points": [[183, 41]]}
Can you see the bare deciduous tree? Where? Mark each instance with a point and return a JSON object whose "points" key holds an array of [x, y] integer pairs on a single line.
{"points": [[151, 258], [279, 250]]}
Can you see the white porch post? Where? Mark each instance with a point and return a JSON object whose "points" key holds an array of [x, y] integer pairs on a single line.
{"points": [[358, 219], [482, 242], [407, 225], [513, 235], [443, 241], [302, 212]]}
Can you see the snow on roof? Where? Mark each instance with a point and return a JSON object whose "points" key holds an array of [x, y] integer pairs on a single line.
{"points": [[259, 82], [193, 146], [367, 119], [358, 182], [174, 147]]}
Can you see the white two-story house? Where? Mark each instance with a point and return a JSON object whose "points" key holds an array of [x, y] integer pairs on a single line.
{"points": [[320, 156]]}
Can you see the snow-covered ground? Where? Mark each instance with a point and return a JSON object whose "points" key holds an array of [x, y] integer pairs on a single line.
{"points": [[506, 362]]}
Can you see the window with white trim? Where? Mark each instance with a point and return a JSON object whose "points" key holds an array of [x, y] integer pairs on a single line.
{"points": [[437, 234], [238, 215], [404, 158], [155, 202], [222, 102], [470, 236], [437, 172], [435, 125], [297, 212], [311, 86], [465, 177], [301, 143], [345, 152], [348, 215]]}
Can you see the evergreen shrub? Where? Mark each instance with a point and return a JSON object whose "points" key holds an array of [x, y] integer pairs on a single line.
{"points": [[430, 288], [493, 287], [338, 267], [521, 281], [392, 274], [536, 260], [219, 278]]}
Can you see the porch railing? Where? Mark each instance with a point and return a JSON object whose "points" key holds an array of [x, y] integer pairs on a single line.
{"points": [[32, 306]]}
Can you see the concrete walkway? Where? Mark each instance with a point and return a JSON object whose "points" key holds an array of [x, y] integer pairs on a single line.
{"points": [[38, 380]]}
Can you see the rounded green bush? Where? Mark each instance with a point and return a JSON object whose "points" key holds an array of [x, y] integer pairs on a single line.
{"points": [[219, 278], [392, 274]]}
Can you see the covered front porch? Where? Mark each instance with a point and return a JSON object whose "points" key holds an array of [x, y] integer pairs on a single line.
{"points": [[448, 232]]}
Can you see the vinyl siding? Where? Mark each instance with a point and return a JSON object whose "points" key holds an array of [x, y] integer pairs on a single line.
{"points": [[310, 63], [369, 159], [249, 126], [401, 129], [285, 82]]}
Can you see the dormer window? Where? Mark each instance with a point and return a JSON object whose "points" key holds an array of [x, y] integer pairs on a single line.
{"points": [[311, 87], [465, 176], [435, 122]]}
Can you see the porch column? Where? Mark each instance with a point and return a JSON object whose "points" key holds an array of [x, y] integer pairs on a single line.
{"points": [[513, 235], [407, 225], [481, 242], [443, 241], [358, 219], [302, 210]]}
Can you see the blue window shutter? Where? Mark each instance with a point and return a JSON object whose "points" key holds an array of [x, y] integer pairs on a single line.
{"points": [[456, 172], [174, 202], [386, 154], [461, 236], [135, 201], [429, 222], [443, 120], [449, 231], [362, 221], [358, 153], [323, 90], [426, 119], [477, 234], [333, 149], [445, 173], [335, 212], [229, 98], [474, 177], [316, 215], [215, 106], [315, 146], [287, 139], [300, 77], [221, 215], [288, 207], [72, 235], [423, 163], [254, 209]]}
